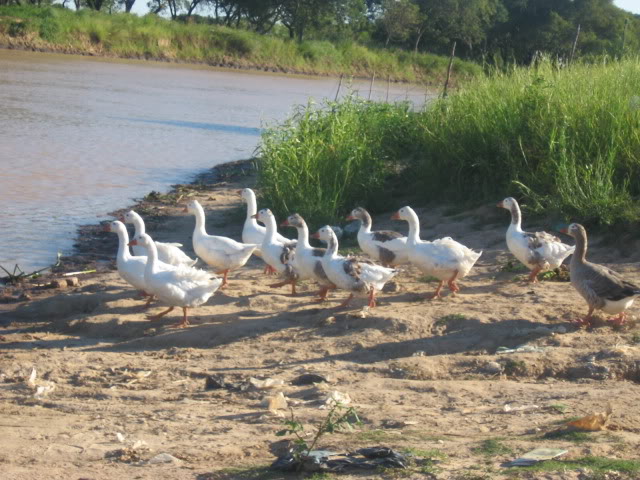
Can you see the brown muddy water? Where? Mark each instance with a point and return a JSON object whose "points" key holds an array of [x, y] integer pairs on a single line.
{"points": [[81, 137]]}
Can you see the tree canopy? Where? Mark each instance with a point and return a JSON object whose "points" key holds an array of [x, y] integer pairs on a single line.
{"points": [[491, 30]]}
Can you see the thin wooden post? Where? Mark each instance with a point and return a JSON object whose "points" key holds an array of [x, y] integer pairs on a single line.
{"points": [[339, 85], [373, 78], [388, 85], [624, 36], [446, 82], [575, 44]]}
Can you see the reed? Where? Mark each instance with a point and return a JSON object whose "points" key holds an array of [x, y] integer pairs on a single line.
{"points": [[564, 140]]}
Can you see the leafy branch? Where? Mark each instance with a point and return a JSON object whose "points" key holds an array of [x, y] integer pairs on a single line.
{"points": [[338, 418]]}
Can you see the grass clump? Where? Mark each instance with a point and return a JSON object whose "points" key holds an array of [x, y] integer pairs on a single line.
{"points": [[329, 158], [598, 465], [564, 140], [492, 447]]}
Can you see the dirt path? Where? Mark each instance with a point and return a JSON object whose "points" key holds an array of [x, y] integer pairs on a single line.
{"points": [[424, 376]]}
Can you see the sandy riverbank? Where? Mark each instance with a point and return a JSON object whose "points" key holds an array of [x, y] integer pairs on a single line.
{"points": [[422, 375]]}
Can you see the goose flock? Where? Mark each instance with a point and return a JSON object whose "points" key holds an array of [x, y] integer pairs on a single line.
{"points": [[164, 272]]}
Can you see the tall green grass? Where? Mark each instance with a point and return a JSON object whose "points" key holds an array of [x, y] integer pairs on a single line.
{"points": [[327, 158], [566, 140], [130, 36]]}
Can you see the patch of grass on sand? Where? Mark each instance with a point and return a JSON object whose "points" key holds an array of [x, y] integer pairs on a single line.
{"points": [[450, 318], [428, 279], [598, 465], [492, 447], [559, 407], [567, 434]]}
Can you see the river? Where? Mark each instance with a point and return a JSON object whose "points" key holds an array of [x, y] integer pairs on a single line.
{"points": [[81, 137]]}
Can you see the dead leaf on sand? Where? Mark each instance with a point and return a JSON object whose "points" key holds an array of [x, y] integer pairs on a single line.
{"points": [[592, 423]]}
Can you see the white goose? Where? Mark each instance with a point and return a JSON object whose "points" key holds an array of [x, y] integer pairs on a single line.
{"points": [[308, 259], [445, 259], [167, 252], [277, 254], [351, 274], [539, 251], [178, 286], [252, 232], [131, 268], [222, 253], [386, 246]]}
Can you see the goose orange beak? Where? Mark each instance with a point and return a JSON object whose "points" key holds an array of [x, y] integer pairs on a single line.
{"points": [[500, 204], [315, 235], [239, 192], [285, 224], [564, 230], [351, 217], [121, 218], [396, 216], [133, 243], [255, 216], [185, 210], [106, 227]]}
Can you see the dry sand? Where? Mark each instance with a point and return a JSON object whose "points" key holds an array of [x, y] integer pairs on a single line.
{"points": [[422, 375]]}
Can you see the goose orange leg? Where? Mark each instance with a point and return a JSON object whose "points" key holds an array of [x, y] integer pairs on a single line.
{"points": [[533, 276], [224, 278], [618, 320], [453, 286], [269, 270], [437, 292], [324, 291], [585, 321], [372, 298], [346, 302], [286, 282], [185, 320], [160, 315], [148, 302]]}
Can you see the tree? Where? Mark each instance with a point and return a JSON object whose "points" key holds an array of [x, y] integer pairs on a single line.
{"points": [[127, 4], [300, 15], [399, 19]]}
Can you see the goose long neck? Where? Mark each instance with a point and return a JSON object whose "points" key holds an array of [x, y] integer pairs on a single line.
{"points": [[152, 258], [252, 206], [516, 216], [365, 226], [332, 245], [303, 236], [138, 223], [414, 228], [200, 220], [123, 241], [271, 227], [580, 254]]}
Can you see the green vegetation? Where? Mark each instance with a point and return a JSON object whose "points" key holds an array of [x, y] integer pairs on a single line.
{"points": [[598, 465], [339, 418], [563, 139], [492, 447], [153, 37]]}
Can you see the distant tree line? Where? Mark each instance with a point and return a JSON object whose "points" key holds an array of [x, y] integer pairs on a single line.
{"points": [[496, 31]]}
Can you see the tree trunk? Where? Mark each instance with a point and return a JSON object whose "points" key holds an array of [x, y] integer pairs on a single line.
{"points": [[420, 34], [128, 5], [388, 38]]}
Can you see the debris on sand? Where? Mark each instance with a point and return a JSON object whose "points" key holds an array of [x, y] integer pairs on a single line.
{"points": [[42, 387], [326, 461], [535, 456], [164, 458], [275, 402], [266, 384], [219, 381], [592, 423], [308, 379]]}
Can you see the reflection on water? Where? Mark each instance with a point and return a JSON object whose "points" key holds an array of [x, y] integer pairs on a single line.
{"points": [[82, 137]]}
